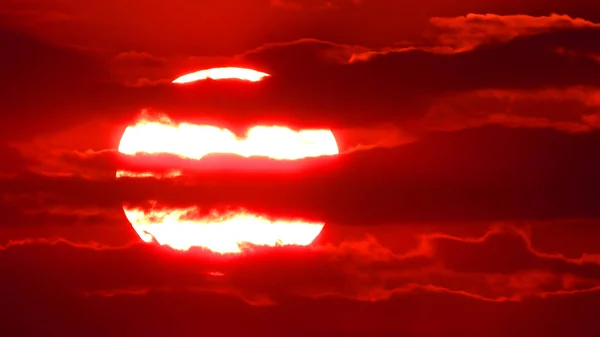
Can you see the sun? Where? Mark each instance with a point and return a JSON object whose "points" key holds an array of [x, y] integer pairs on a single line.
{"points": [[221, 74], [194, 141], [220, 232]]}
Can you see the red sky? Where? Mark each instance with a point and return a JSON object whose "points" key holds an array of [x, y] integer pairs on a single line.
{"points": [[465, 200]]}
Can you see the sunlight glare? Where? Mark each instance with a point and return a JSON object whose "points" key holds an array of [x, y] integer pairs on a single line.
{"points": [[220, 233]]}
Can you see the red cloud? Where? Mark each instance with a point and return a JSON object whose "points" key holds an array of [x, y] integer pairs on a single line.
{"points": [[500, 266], [472, 30]]}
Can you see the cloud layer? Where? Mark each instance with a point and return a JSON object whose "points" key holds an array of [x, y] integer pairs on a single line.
{"points": [[464, 201]]}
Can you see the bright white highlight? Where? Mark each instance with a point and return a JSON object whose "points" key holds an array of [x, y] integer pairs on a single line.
{"points": [[222, 73]]}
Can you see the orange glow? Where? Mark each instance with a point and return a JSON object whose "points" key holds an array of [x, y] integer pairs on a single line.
{"points": [[222, 233], [222, 73]]}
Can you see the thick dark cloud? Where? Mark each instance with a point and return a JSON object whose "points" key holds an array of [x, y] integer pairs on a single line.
{"points": [[488, 173], [233, 26], [185, 314], [483, 255], [311, 84], [394, 87], [360, 270], [44, 87]]}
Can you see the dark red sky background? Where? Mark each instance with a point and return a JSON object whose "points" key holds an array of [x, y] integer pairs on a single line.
{"points": [[466, 200]]}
